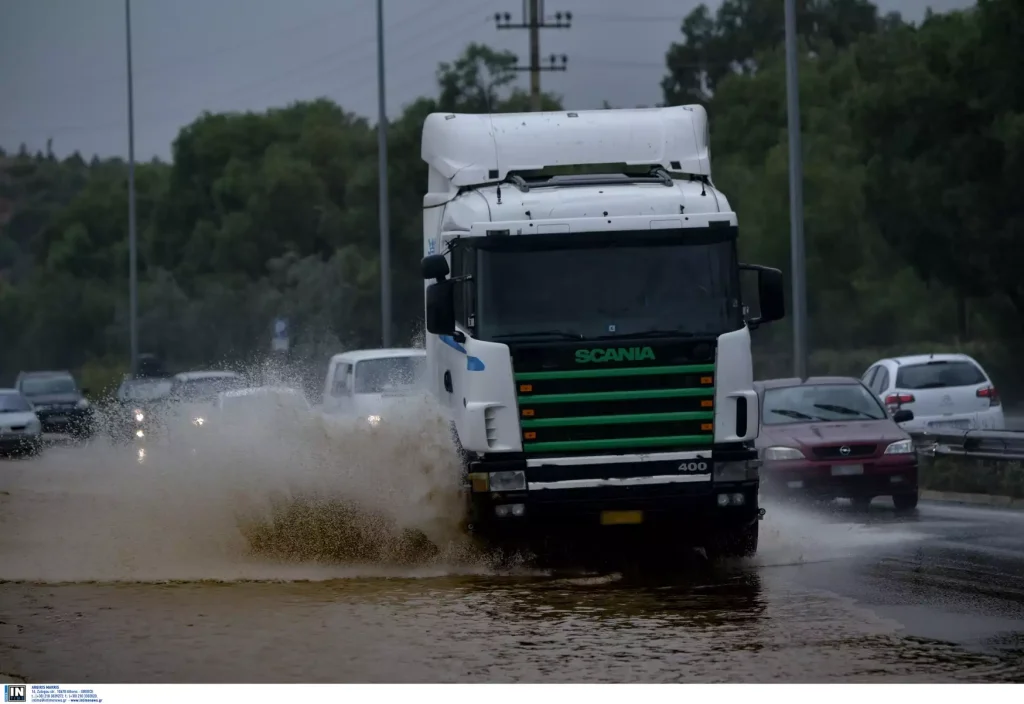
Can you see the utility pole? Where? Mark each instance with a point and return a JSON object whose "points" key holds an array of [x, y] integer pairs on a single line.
{"points": [[382, 196], [798, 261], [535, 20], [133, 280]]}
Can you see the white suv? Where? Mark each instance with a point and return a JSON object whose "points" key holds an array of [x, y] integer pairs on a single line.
{"points": [[944, 391]]}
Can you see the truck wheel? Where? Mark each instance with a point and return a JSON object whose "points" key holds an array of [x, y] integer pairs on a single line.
{"points": [[739, 543], [906, 501]]}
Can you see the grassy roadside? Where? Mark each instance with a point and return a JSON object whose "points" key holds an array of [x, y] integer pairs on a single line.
{"points": [[972, 476]]}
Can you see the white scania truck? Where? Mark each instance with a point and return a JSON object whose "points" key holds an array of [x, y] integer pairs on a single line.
{"points": [[585, 328]]}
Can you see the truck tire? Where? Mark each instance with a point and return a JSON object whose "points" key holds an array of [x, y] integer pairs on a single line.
{"points": [[906, 501], [739, 543]]}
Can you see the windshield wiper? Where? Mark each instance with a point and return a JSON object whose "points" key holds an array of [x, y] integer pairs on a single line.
{"points": [[844, 410], [647, 333], [541, 334], [793, 414]]}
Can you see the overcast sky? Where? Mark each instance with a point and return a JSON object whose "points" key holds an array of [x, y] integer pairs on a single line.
{"points": [[62, 62]]}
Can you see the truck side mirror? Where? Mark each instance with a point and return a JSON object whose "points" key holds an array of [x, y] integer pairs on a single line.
{"points": [[441, 306], [434, 266], [771, 294]]}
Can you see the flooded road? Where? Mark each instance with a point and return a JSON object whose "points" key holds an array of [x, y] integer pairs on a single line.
{"points": [[140, 573]]}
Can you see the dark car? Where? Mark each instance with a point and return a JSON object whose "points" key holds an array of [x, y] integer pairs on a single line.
{"points": [[830, 437], [58, 402], [138, 407]]}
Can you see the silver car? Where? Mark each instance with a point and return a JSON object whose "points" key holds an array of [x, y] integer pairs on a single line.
{"points": [[20, 429]]}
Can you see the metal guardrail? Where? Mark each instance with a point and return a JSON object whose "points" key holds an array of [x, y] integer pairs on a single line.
{"points": [[1007, 445]]}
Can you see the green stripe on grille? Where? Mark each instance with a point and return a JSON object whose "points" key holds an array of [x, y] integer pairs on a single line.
{"points": [[614, 395], [613, 420], [630, 371], [617, 443]]}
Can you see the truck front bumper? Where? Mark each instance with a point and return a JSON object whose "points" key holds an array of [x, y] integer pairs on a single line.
{"points": [[608, 500]]}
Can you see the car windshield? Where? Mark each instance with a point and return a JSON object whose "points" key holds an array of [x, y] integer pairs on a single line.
{"points": [[48, 385], [144, 390], [401, 374], [690, 288], [939, 375], [810, 403], [14, 403], [205, 389]]}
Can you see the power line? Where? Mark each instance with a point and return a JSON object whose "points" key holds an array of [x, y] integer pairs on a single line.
{"points": [[617, 19], [534, 19]]}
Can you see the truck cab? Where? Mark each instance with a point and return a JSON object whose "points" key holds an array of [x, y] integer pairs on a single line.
{"points": [[366, 382], [586, 333]]}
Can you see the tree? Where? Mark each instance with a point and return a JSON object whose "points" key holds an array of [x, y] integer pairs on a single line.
{"points": [[732, 40], [941, 116]]}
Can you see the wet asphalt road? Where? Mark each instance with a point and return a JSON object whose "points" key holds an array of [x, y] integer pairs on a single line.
{"points": [[836, 595], [935, 597]]}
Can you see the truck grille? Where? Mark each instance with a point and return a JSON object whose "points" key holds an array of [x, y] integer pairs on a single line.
{"points": [[617, 408]]}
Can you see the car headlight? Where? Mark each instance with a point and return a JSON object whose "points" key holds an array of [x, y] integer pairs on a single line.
{"points": [[198, 421], [900, 447], [508, 481], [139, 415], [33, 426], [82, 403], [775, 454], [373, 420]]}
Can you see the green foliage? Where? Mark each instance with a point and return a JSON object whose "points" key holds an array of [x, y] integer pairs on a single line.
{"points": [[912, 139], [971, 476]]}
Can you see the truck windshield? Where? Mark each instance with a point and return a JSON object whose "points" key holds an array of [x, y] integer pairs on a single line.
{"points": [[609, 291]]}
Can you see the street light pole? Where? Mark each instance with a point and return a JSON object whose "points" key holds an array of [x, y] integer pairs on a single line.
{"points": [[133, 283], [798, 262], [382, 168]]}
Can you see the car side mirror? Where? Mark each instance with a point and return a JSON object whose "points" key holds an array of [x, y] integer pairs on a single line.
{"points": [[771, 294], [441, 307], [434, 266], [903, 416]]}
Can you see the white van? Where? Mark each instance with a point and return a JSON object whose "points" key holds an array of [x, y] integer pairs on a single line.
{"points": [[364, 382]]}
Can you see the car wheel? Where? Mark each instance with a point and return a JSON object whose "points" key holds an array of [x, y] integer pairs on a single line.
{"points": [[906, 501], [737, 543]]}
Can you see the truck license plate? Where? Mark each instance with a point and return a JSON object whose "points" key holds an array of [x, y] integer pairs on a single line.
{"points": [[847, 470], [620, 518]]}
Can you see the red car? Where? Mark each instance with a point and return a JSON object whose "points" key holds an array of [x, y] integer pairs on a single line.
{"points": [[830, 437]]}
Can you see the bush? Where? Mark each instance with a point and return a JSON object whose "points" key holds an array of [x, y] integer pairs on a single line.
{"points": [[972, 476]]}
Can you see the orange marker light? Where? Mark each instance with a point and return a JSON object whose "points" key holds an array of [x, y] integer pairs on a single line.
{"points": [[528, 413], [706, 380], [525, 388], [706, 403], [530, 435], [705, 426]]}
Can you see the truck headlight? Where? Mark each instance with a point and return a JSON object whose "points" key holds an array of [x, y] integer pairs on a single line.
{"points": [[82, 403], [198, 421], [373, 420], [139, 415], [508, 481], [736, 471], [782, 453], [900, 447]]}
